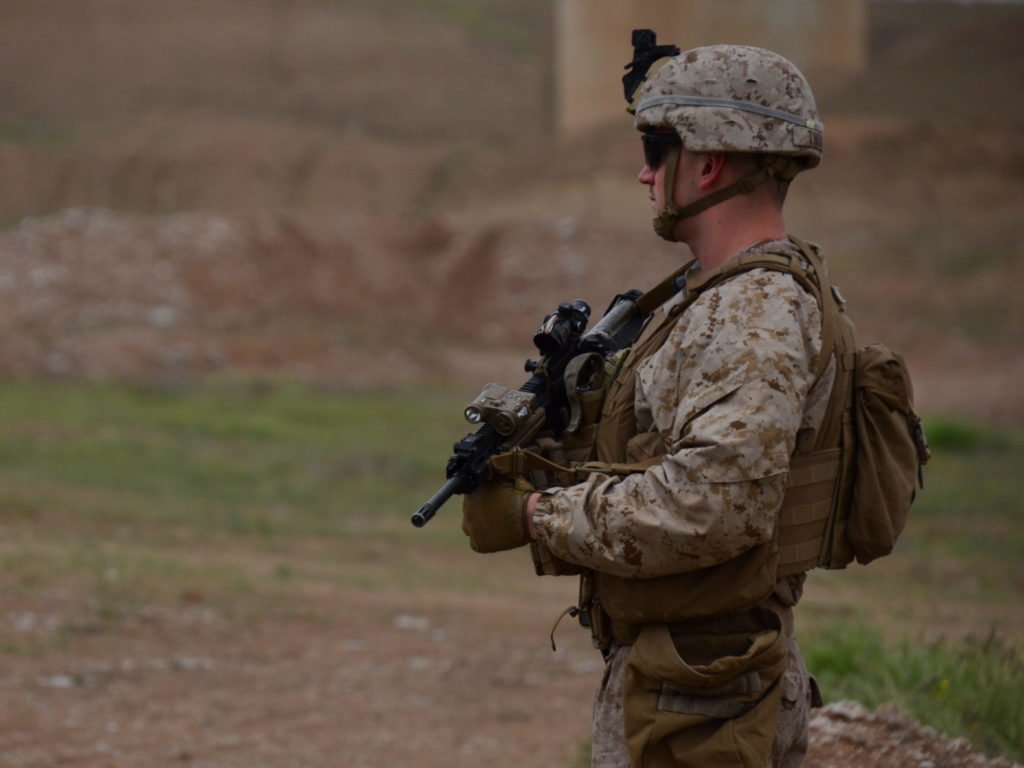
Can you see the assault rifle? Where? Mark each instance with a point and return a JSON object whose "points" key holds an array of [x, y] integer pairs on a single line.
{"points": [[512, 418]]}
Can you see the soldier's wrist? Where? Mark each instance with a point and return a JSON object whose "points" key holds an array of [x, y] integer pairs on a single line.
{"points": [[529, 505]]}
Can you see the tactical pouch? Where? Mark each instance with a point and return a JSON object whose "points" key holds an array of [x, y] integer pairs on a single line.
{"points": [[703, 698], [890, 450]]}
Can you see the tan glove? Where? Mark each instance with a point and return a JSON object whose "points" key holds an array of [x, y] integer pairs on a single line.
{"points": [[492, 515]]}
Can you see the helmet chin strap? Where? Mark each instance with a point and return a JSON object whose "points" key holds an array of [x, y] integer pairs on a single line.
{"points": [[666, 220], [782, 168]]}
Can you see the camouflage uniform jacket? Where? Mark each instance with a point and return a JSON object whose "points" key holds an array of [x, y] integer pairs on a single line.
{"points": [[730, 392]]}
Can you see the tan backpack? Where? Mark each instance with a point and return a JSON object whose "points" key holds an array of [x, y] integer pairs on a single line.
{"points": [[871, 448]]}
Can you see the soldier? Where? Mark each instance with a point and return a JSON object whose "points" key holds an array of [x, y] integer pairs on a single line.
{"points": [[677, 539]]}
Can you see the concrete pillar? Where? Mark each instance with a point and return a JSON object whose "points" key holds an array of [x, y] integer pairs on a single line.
{"points": [[824, 38]]}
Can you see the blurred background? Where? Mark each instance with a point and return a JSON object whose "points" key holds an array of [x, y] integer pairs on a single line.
{"points": [[256, 256]]}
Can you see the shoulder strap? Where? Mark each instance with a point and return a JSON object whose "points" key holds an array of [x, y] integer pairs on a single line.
{"points": [[664, 290], [838, 336], [815, 281], [699, 280], [702, 279], [830, 309]]}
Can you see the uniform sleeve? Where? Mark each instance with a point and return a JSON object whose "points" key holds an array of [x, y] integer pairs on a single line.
{"points": [[726, 393]]}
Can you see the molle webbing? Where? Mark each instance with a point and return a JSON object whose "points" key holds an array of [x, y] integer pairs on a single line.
{"points": [[806, 510], [805, 522]]}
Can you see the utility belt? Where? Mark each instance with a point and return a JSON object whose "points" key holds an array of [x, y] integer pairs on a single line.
{"points": [[608, 631]]}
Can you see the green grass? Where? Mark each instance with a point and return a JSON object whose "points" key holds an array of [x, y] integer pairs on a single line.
{"points": [[951, 435], [960, 553], [189, 492], [233, 459], [972, 688], [961, 548]]}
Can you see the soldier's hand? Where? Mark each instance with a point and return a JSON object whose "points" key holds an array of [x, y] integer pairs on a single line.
{"points": [[493, 516]]}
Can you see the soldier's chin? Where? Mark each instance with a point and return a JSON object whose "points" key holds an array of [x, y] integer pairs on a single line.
{"points": [[665, 229]]}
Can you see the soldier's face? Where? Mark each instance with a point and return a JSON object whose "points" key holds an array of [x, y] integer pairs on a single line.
{"points": [[652, 180], [685, 190], [659, 149]]}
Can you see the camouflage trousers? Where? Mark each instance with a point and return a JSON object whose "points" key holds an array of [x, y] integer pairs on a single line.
{"points": [[609, 742]]}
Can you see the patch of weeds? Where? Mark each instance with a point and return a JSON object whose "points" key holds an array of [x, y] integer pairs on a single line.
{"points": [[971, 505], [280, 460], [32, 133], [987, 321], [973, 688], [30, 646], [17, 509], [954, 435], [444, 177], [583, 756], [969, 261]]}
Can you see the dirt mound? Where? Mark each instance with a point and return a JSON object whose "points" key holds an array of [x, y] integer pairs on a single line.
{"points": [[94, 293], [366, 301], [101, 294], [846, 734]]}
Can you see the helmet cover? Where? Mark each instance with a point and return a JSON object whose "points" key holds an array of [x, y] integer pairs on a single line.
{"points": [[733, 98]]}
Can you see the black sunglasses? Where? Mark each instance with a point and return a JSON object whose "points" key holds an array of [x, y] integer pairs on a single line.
{"points": [[656, 146]]}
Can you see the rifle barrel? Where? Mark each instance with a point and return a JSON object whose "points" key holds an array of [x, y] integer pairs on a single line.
{"points": [[452, 486]]}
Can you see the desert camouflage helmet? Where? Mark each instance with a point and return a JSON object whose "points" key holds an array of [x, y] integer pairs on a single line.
{"points": [[731, 98]]}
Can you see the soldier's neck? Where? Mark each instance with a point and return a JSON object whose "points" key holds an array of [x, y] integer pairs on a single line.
{"points": [[725, 230]]}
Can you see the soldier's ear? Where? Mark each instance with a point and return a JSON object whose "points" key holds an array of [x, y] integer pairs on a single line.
{"points": [[711, 169]]}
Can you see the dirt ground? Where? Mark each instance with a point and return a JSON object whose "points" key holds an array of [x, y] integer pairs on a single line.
{"points": [[346, 677], [381, 681], [280, 189]]}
